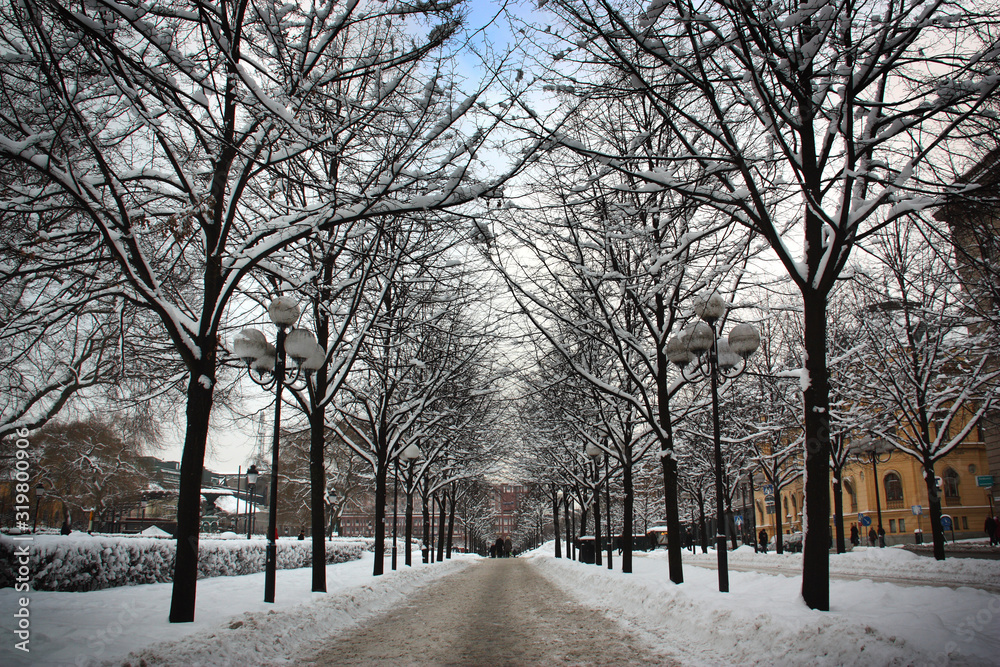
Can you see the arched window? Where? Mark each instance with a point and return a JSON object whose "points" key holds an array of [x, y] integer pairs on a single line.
{"points": [[852, 494], [893, 487], [950, 483]]}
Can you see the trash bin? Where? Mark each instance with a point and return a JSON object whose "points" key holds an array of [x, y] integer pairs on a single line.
{"points": [[585, 550], [918, 536]]}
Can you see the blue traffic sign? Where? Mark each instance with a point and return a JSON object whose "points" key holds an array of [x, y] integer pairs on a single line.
{"points": [[864, 520], [739, 521], [945, 522]]}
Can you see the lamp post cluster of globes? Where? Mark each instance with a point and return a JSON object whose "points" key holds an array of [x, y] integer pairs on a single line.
{"points": [[266, 364], [701, 353]]}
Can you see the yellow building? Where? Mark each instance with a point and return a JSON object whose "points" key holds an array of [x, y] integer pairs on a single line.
{"points": [[900, 488]]}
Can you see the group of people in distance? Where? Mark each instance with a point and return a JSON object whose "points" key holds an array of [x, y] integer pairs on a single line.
{"points": [[501, 548]]}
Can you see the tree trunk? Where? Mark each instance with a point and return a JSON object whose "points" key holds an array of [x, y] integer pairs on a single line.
{"points": [[816, 544], [628, 511], [779, 544], [730, 518], [451, 520], [838, 511], [934, 500], [381, 492], [702, 525], [555, 520], [199, 408], [317, 494], [425, 513], [409, 515], [442, 518], [669, 465], [570, 525]]}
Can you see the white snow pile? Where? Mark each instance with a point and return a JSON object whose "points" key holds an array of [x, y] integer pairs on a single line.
{"points": [[763, 620], [154, 531], [82, 562]]}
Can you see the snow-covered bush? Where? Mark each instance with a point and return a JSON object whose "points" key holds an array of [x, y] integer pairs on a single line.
{"points": [[82, 562]]}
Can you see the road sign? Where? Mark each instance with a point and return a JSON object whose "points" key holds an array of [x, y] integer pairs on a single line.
{"points": [[917, 510], [739, 522], [768, 489], [985, 481], [864, 520], [945, 522]]}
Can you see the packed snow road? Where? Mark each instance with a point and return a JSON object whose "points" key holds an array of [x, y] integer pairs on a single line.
{"points": [[495, 612]]}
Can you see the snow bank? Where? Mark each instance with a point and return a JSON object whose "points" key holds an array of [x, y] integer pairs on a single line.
{"points": [[763, 620]]}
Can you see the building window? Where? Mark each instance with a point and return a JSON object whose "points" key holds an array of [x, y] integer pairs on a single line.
{"points": [[892, 525], [965, 523], [893, 488], [950, 483], [902, 525], [852, 494]]}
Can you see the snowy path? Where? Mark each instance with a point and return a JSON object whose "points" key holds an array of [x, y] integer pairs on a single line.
{"points": [[496, 612]]}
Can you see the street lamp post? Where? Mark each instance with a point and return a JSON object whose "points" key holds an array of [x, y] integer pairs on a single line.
{"points": [[607, 508], [39, 492], [410, 454], [251, 506], [700, 343], [251, 345], [866, 449], [594, 453], [395, 509]]}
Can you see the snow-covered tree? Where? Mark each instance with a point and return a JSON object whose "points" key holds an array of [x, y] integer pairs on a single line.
{"points": [[173, 130], [809, 123], [930, 373]]}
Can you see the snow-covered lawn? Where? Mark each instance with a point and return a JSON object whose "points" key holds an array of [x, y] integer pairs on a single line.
{"points": [[762, 621]]}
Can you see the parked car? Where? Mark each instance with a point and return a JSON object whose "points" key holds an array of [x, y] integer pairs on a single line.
{"points": [[791, 543]]}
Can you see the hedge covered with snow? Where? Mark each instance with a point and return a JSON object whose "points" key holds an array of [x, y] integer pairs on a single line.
{"points": [[82, 562]]}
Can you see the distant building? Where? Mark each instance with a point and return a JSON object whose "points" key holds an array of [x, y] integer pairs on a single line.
{"points": [[507, 504]]}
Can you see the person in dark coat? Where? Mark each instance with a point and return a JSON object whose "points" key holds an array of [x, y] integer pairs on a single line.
{"points": [[991, 530], [499, 547], [508, 546], [762, 538], [872, 536], [855, 536], [65, 530]]}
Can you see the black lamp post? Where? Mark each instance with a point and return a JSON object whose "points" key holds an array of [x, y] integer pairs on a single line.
{"points": [[395, 510], [251, 505], [251, 345], [699, 343], [39, 492], [594, 454], [872, 451], [410, 454]]}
